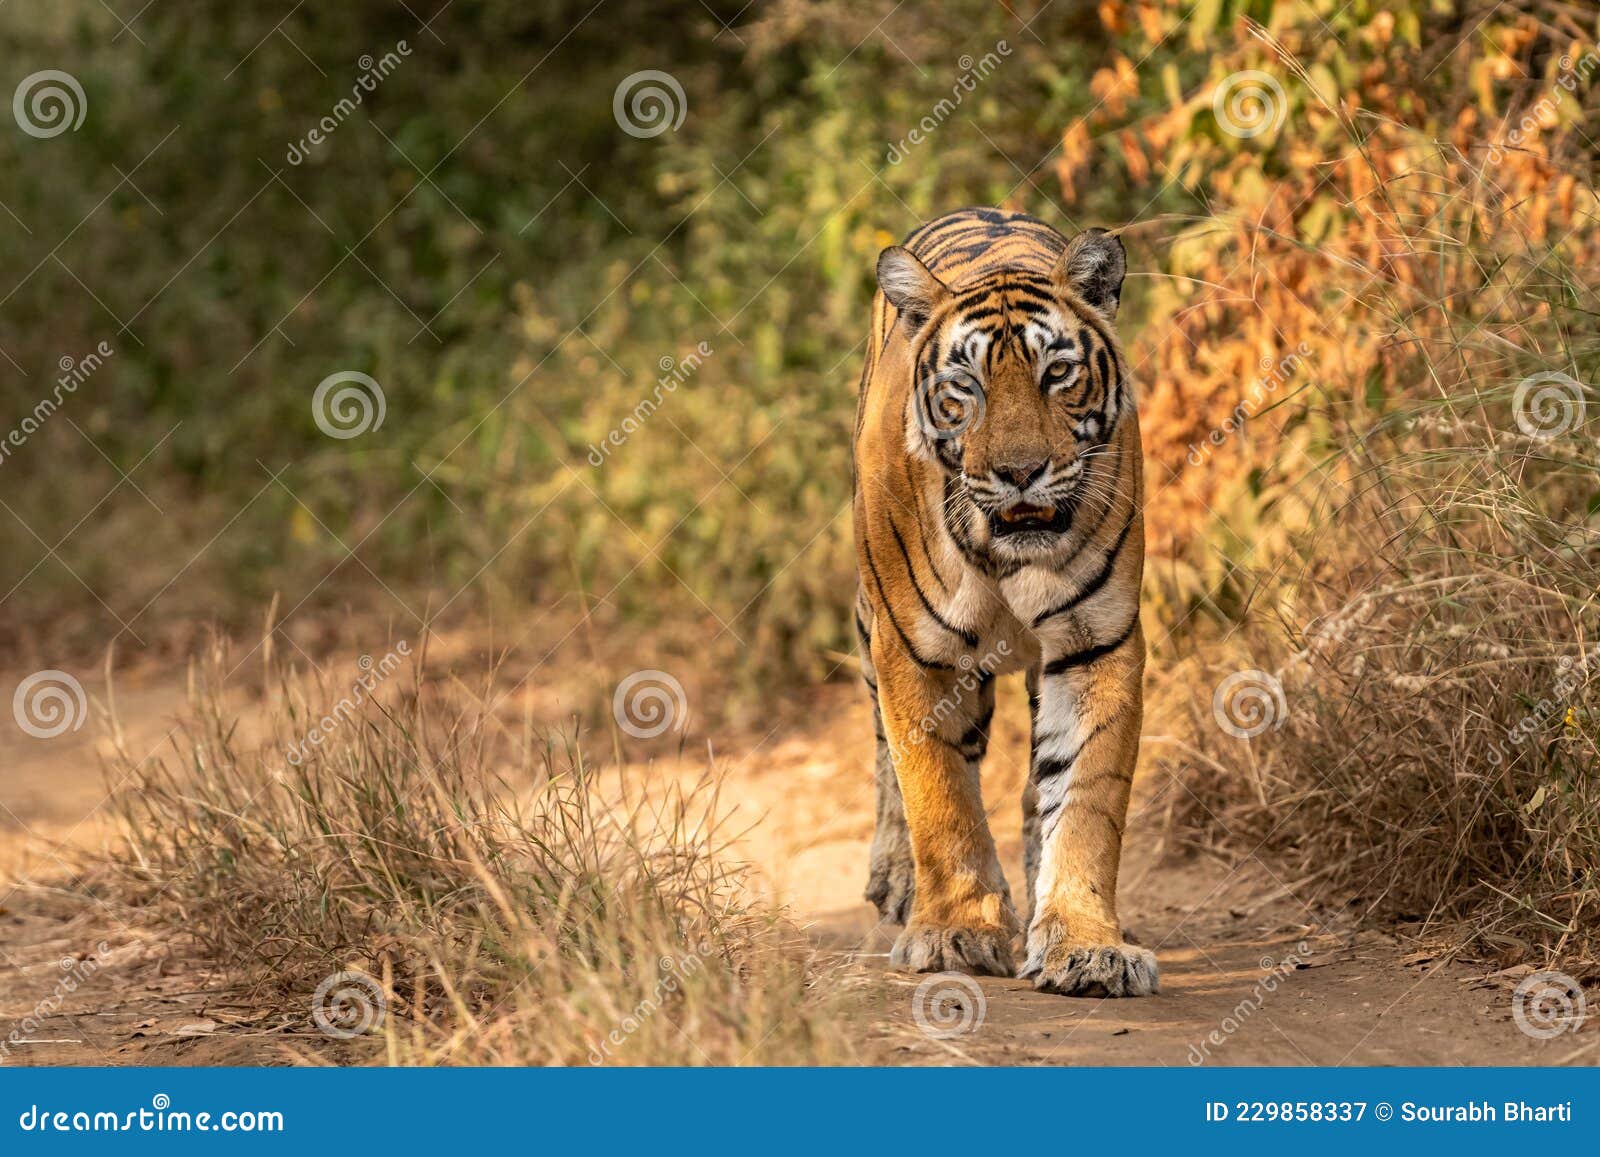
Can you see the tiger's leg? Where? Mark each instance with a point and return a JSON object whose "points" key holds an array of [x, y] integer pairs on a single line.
{"points": [[1030, 796], [890, 880], [1085, 746], [936, 722]]}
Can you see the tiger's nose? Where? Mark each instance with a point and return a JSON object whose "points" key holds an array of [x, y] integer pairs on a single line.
{"points": [[1022, 474]]}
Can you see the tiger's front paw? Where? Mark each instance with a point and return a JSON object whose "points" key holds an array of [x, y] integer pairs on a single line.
{"points": [[891, 885], [981, 951], [1058, 964]]}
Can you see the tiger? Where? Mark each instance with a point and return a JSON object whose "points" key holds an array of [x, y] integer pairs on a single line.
{"points": [[998, 504]]}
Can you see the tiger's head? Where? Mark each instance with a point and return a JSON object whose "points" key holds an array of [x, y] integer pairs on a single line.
{"points": [[1017, 387]]}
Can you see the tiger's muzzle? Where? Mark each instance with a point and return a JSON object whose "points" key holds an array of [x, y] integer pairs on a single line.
{"points": [[1026, 501]]}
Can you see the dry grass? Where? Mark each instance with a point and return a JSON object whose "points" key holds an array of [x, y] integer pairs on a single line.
{"points": [[1434, 624], [1436, 750], [517, 905]]}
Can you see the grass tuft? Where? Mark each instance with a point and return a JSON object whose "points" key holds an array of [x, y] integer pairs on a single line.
{"points": [[514, 903]]}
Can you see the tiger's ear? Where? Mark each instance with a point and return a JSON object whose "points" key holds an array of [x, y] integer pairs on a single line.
{"points": [[1092, 266], [908, 284]]}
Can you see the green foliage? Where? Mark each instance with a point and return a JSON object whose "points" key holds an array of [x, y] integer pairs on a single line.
{"points": [[480, 237]]}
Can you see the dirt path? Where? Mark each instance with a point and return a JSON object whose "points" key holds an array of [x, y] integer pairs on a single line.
{"points": [[83, 981], [1250, 975]]}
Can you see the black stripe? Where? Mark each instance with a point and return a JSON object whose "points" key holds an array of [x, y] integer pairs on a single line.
{"points": [[1051, 768], [1102, 362], [923, 536], [1001, 284], [1030, 301], [1091, 780], [910, 647], [978, 734], [960, 747], [973, 743], [932, 230], [951, 245], [1101, 577], [1109, 817], [967, 637], [1090, 654], [1095, 322]]}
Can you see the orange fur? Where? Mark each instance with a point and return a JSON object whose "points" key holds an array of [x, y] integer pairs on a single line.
{"points": [[999, 526]]}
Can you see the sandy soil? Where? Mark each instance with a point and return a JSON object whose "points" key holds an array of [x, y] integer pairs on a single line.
{"points": [[1250, 974]]}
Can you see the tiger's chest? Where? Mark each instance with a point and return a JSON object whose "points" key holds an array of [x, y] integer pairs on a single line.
{"points": [[992, 624]]}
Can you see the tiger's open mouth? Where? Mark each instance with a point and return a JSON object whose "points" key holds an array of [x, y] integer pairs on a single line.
{"points": [[1021, 518]]}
